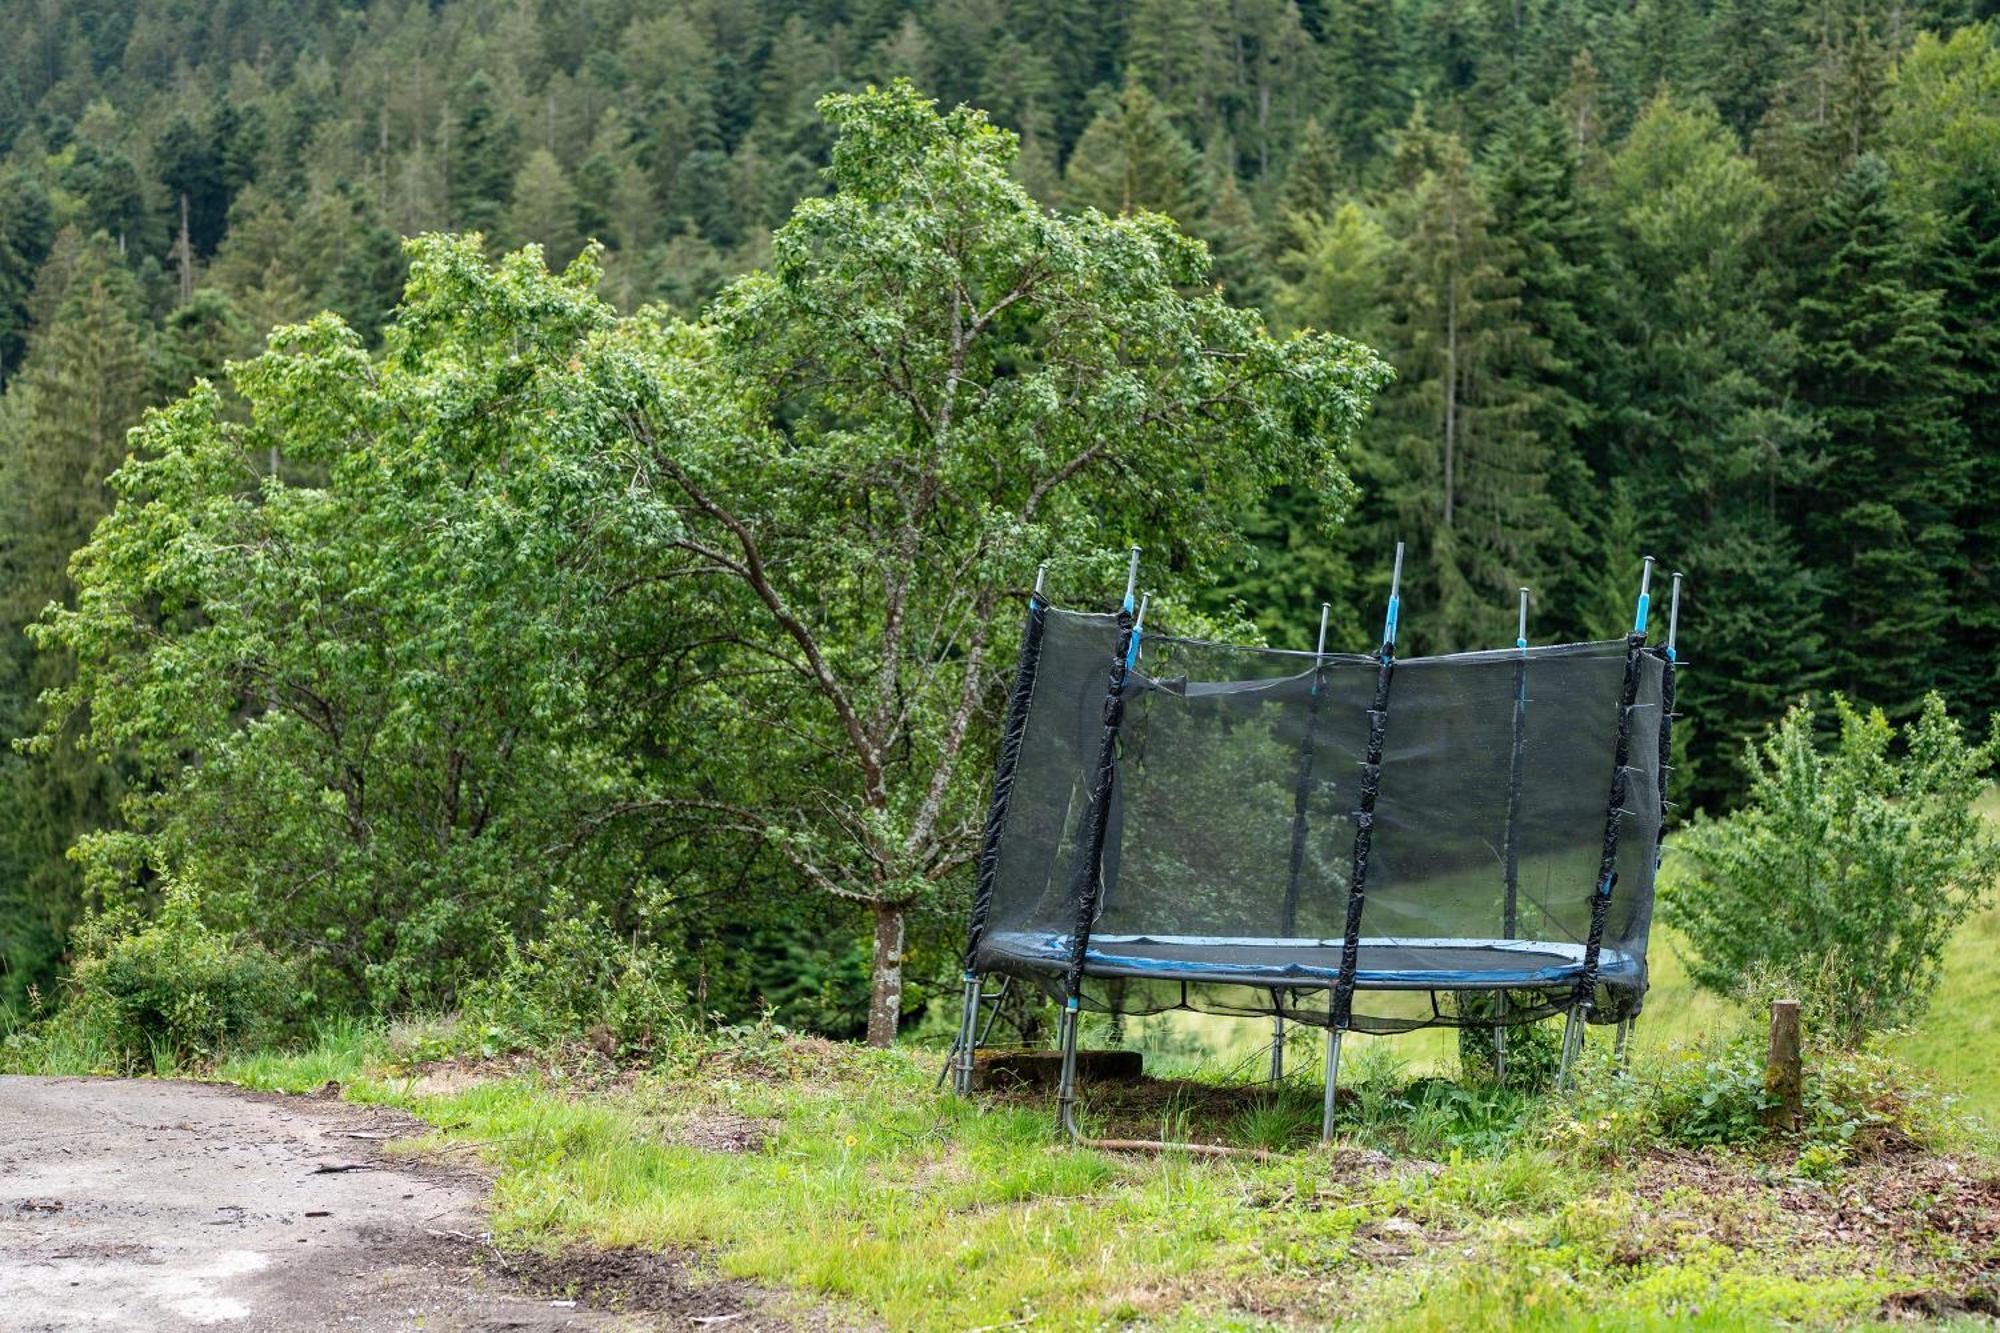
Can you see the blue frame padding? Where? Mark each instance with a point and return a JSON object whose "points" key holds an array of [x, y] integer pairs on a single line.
{"points": [[1098, 962]]}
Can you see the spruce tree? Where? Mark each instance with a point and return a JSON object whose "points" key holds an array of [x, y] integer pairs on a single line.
{"points": [[1315, 177], [1364, 62], [1967, 269], [481, 161], [27, 230], [1881, 374], [1694, 391], [1466, 468], [544, 209], [62, 431], [1334, 276], [1132, 157], [1235, 241], [1555, 241]]}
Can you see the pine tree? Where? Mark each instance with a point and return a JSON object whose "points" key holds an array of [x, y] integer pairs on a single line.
{"points": [[27, 230], [369, 281], [1746, 50], [544, 209], [188, 161], [1169, 53], [1315, 177], [62, 431], [1364, 63], [1466, 479], [481, 160], [1234, 238], [1132, 157], [1967, 268], [1554, 242], [1694, 392], [1820, 122], [196, 339], [1881, 373], [1084, 40]]}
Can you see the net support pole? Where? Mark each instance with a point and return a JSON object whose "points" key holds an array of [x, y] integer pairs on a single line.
{"points": [[1511, 866], [1585, 996], [1668, 662], [1342, 1005], [1087, 872], [1301, 803], [1011, 731]]}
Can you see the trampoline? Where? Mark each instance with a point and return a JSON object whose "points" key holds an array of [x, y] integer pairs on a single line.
{"points": [[1349, 841]]}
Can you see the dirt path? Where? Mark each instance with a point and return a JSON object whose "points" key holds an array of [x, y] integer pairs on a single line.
{"points": [[158, 1205]]}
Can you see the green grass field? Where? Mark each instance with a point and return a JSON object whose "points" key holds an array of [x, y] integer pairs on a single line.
{"points": [[838, 1176]]}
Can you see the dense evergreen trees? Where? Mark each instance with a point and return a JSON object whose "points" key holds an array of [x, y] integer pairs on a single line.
{"points": [[1717, 279]]}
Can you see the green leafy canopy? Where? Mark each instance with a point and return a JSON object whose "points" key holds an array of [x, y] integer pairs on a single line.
{"points": [[541, 598]]}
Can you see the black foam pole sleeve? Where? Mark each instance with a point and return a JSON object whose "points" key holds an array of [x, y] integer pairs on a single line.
{"points": [[1011, 731], [1614, 815], [1364, 839], [1087, 873], [1666, 744]]}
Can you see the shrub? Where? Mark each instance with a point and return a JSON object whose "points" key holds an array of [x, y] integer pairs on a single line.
{"points": [[1534, 1050], [1847, 871], [1858, 1101], [174, 991], [577, 981]]}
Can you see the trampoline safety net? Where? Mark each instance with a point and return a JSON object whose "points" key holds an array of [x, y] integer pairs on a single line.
{"points": [[1228, 830]]}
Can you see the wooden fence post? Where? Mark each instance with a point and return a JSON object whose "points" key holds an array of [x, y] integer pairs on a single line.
{"points": [[1784, 1071]]}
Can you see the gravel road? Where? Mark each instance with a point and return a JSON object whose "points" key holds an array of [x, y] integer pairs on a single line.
{"points": [[155, 1205]]}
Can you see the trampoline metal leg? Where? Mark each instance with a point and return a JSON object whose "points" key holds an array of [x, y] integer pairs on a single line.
{"points": [[1332, 1084], [1277, 1044], [1620, 1050], [1066, 1087], [1572, 1044], [968, 1038], [1500, 1043]]}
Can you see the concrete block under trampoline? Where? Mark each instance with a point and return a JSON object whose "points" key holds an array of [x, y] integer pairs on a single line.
{"points": [[1178, 824]]}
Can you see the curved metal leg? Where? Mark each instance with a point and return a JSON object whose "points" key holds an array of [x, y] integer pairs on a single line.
{"points": [[1066, 1087]]}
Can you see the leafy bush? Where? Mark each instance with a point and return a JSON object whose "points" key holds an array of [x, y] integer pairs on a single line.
{"points": [[577, 981], [1858, 1101], [1847, 871], [174, 990], [1534, 1050]]}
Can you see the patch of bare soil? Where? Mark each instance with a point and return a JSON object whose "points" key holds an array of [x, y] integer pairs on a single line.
{"points": [[717, 1131], [1933, 1215], [1178, 1110], [640, 1281]]}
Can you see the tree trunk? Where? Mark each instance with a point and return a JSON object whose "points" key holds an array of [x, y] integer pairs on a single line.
{"points": [[885, 1005]]}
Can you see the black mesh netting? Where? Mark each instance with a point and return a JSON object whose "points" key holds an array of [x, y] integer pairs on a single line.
{"points": [[1229, 837]]}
